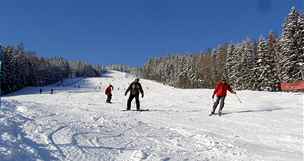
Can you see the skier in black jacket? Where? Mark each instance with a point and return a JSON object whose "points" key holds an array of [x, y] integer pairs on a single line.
{"points": [[134, 88]]}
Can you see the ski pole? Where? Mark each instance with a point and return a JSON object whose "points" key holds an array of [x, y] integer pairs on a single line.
{"points": [[238, 98], [122, 104]]}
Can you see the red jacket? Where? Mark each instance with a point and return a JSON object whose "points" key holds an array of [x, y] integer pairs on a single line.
{"points": [[109, 90], [221, 89]]}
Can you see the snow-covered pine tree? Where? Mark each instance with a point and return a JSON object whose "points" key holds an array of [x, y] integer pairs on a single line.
{"points": [[238, 67], [233, 67], [291, 52], [265, 66], [301, 44], [219, 60], [246, 64], [229, 73], [192, 73], [273, 44], [261, 64], [182, 78], [206, 70]]}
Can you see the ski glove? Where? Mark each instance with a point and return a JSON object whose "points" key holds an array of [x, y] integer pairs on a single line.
{"points": [[142, 95], [212, 96]]}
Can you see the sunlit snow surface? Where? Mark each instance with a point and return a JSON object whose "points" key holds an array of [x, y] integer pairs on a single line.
{"points": [[76, 124]]}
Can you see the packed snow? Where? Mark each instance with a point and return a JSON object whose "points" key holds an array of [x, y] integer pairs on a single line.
{"points": [[76, 124]]}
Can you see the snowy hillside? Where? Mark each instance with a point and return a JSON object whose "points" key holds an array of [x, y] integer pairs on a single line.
{"points": [[76, 124]]}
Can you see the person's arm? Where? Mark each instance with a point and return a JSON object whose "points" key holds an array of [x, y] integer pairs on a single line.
{"points": [[141, 90], [106, 91], [128, 89], [231, 90], [215, 90]]}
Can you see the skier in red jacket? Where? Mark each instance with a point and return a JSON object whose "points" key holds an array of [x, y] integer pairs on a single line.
{"points": [[108, 92], [220, 91]]}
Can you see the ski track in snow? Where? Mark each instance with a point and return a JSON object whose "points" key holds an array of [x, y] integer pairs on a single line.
{"points": [[76, 124]]}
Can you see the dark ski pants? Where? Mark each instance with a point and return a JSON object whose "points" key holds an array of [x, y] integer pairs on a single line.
{"points": [[109, 97], [131, 97], [220, 100]]}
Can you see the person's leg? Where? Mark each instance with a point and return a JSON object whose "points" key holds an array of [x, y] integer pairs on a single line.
{"points": [[215, 104], [107, 98], [110, 98], [137, 102], [129, 102], [222, 100]]}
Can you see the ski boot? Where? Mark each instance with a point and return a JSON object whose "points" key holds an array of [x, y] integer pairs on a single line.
{"points": [[212, 113]]}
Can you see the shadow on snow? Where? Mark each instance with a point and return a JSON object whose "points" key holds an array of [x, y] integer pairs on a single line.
{"points": [[249, 111]]}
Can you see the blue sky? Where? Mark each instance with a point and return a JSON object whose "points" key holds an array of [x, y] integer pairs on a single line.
{"points": [[131, 31]]}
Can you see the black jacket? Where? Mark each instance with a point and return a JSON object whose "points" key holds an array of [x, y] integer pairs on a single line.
{"points": [[135, 88]]}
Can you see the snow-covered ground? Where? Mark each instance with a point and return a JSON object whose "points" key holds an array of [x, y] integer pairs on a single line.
{"points": [[76, 124]]}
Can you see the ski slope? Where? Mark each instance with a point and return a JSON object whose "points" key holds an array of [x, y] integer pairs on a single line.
{"points": [[75, 124]]}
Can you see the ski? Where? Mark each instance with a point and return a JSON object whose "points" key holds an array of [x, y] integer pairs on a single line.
{"points": [[141, 110]]}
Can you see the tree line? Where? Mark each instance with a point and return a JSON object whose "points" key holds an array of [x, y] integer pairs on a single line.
{"points": [[21, 68], [254, 65], [135, 71]]}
